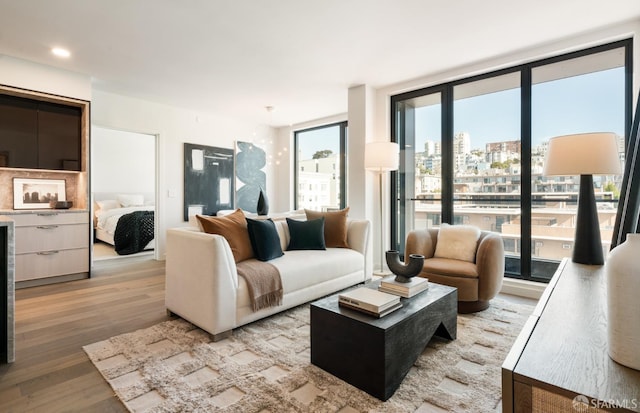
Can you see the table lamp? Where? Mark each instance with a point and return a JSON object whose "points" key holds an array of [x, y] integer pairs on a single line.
{"points": [[584, 154]]}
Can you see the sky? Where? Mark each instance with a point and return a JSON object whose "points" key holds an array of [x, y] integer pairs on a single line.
{"points": [[588, 103], [317, 140], [592, 102]]}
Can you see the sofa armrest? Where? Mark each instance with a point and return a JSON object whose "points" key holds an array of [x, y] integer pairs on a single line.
{"points": [[490, 263], [359, 239], [201, 279], [422, 242]]}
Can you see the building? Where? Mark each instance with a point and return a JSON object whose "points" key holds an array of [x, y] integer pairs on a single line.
{"points": [[490, 199], [318, 183]]}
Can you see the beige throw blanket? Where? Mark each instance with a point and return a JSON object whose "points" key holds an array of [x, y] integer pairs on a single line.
{"points": [[263, 280]]}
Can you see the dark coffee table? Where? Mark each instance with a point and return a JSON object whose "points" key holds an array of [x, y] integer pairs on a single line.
{"points": [[375, 354]]}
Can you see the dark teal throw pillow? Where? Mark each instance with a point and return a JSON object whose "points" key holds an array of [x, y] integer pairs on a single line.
{"points": [[264, 239], [306, 235]]}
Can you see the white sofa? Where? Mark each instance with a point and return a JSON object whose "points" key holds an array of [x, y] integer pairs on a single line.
{"points": [[203, 287]]}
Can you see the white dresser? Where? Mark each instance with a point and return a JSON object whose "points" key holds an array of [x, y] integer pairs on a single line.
{"points": [[51, 243]]}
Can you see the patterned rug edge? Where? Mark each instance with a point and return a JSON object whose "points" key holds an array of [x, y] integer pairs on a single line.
{"points": [[265, 366]]}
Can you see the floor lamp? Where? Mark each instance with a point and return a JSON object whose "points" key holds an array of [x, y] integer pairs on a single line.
{"points": [[585, 154], [381, 157]]}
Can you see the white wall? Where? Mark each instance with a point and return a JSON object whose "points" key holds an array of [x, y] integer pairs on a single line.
{"points": [[122, 162], [34, 76], [175, 126]]}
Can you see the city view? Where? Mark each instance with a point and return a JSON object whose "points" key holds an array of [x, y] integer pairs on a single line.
{"points": [[580, 95], [487, 188]]}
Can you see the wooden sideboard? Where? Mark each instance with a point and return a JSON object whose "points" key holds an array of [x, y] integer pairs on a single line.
{"points": [[559, 362]]}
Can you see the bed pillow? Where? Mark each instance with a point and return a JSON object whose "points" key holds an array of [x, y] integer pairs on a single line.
{"points": [[458, 242], [108, 204], [264, 239], [335, 226], [233, 228], [306, 235], [129, 200]]}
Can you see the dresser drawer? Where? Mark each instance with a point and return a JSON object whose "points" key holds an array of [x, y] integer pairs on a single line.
{"points": [[51, 237], [50, 218], [51, 264]]}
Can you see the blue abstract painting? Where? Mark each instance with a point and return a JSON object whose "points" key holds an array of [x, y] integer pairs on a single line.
{"points": [[250, 177]]}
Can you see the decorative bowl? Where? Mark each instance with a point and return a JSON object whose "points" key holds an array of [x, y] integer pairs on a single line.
{"points": [[404, 272]]}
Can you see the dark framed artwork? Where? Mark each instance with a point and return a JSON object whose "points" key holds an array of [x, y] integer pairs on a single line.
{"points": [[208, 180], [250, 177]]}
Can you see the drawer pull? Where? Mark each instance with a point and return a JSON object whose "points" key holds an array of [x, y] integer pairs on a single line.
{"points": [[48, 252], [47, 214], [47, 226]]}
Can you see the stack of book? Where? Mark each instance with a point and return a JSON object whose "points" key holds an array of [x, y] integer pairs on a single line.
{"points": [[369, 301], [415, 286]]}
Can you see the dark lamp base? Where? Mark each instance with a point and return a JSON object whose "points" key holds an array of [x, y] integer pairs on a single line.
{"points": [[587, 247]]}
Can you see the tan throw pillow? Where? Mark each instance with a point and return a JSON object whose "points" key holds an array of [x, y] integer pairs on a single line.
{"points": [[458, 242], [233, 228], [335, 226]]}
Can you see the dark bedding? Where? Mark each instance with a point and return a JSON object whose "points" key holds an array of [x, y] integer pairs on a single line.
{"points": [[133, 232]]}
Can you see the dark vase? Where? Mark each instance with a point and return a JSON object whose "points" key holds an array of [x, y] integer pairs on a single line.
{"points": [[263, 203], [404, 272]]}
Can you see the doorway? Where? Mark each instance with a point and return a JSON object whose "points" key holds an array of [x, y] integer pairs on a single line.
{"points": [[123, 193]]}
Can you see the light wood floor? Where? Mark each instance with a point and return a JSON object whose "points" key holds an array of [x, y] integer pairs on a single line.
{"points": [[51, 372]]}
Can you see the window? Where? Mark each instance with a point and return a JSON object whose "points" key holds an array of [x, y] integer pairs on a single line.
{"points": [[320, 155], [474, 148], [486, 125], [582, 94], [420, 170]]}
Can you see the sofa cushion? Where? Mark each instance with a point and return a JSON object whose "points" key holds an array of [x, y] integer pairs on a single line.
{"points": [[303, 269], [264, 239], [233, 228], [458, 242], [335, 226], [306, 235]]}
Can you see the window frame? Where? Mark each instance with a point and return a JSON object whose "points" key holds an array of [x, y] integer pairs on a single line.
{"points": [[447, 101], [342, 156]]}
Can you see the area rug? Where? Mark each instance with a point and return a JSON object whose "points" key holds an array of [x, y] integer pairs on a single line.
{"points": [[265, 367]]}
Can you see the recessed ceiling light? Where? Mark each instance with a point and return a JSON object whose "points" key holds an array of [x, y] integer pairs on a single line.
{"points": [[60, 52]]}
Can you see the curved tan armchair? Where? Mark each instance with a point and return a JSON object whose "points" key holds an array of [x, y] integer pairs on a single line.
{"points": [[477, 282]]}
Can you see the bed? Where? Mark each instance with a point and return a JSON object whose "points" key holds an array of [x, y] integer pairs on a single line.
{"points": [[125, 221]]}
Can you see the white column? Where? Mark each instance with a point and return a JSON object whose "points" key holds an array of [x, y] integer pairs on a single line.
{"points": [[362, 185]]}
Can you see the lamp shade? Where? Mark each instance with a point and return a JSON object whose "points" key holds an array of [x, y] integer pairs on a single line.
{"points": [[382, 156], [583, 154]]}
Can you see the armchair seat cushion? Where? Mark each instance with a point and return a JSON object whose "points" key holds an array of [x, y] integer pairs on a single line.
{"points": [[450, 268], [477, 280]]}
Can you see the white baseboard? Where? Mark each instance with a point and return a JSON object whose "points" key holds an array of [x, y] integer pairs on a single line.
{"points": [[523, 288]]}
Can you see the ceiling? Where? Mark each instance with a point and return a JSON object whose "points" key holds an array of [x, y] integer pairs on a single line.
{"points": [[235, 57]]}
